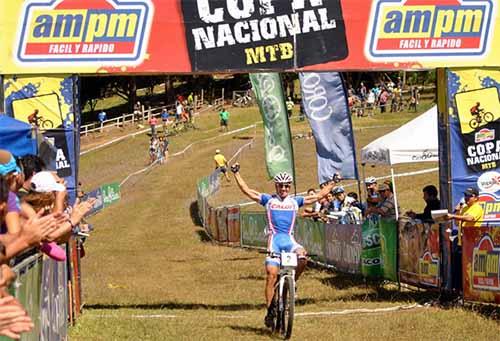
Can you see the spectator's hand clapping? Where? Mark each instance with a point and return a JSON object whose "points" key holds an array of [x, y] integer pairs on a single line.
{"points": [[80, 209], [8, 276], [37, 228], [13, 318]]}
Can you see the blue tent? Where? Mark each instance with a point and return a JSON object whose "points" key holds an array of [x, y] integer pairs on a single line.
{"points": [[16, 137]]}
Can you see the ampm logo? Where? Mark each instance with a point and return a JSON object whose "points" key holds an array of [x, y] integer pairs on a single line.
{"points": [[84, 31], [486, 265], [409, 29]]}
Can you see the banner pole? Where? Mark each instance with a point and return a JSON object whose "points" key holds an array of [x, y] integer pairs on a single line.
{"points": [[395, 195]]}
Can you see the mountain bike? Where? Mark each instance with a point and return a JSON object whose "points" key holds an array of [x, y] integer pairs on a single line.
{"points": [[41, 122], [487, 117], [284, 293], [243, 101]]}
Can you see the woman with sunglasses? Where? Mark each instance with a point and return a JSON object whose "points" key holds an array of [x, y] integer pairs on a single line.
{"points": [[281, 211]]}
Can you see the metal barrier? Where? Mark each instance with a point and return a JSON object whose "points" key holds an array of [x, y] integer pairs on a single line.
{"points": [[41, 288]]}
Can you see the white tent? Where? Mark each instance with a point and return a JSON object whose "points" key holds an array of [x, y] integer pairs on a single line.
{"points": [[416, 141]]}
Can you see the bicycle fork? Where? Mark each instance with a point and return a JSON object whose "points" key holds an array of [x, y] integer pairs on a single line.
{"points": [[281, 284]]}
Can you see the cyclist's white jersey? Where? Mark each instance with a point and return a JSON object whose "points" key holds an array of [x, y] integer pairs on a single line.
{"points": [[281, 213]]}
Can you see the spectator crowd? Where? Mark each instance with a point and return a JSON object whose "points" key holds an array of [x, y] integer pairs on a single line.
{"points": [[35, 215], [385, 96]]}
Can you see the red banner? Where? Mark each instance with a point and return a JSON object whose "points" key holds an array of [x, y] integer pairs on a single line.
{"points": [[481, 264]]}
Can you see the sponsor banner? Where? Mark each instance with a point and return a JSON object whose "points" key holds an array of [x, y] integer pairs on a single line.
{"points": [[99, 201], [182, 36], [311, 235], [27, 290], [481, 264], [253, 229], [474, 144], [46, 102], [221, 214], [388, 248], [233, 224], [371, 259], [248, 34], [325, 104], [212, 228], [57, 149], [278, 145], [419, 253], [54, 299], [214, 182], [110, 193], [343, 247]]}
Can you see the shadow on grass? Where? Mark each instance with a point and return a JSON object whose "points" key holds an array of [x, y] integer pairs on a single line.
{"points": [[375, 290], [488, 311], [194, 212], [193, 306], [203, 235], [252, 278], [253, 330], [242, 137], [179, 306]]}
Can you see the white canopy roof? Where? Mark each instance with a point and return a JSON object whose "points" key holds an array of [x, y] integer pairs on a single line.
{"points": [[416, 141]]}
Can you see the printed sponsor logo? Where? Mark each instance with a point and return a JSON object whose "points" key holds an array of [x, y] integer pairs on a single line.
{"points": [[77, 31], [425, 155], [489, 182], [484, 135], [430, 28], [485, 265], [491, 207], [274, 206], [428, 268]]}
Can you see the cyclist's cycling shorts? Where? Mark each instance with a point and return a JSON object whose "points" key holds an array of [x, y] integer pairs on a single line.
{"points": [[281, 242]]}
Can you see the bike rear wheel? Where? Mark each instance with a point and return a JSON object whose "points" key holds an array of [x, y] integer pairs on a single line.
{"points": [[474, 123], [287, 308], [47, 124]]}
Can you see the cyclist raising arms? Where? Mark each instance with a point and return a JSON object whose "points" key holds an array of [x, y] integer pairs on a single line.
{"points": [[281, 213]]}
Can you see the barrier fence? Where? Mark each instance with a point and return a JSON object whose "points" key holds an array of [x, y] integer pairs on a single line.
{"points": [[406, 251], [41, 288]]}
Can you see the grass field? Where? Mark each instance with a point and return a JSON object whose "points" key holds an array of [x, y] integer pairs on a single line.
{"points": [[151, 274]]}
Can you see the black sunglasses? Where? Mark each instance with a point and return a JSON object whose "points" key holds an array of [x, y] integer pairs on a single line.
{"points": [[284, 185]]}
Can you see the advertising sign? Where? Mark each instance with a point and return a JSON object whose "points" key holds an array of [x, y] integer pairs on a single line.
{"points": [[253, 229], [204, 36], [221, 214], [54, 298], [388, 248], [278, 143], [43, 101], [371, 259], [481, 264], [311, 235], [99, 201], [343, 247], [325, 104], [419, 253], [110, 193], [233, 224], [474, 125]]}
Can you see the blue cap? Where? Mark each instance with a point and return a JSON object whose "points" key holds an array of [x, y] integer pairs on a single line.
{"points": [[10, 166]]}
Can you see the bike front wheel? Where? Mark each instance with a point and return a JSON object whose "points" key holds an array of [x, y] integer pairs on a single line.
{"points": [[287, 308], [488, 117]]}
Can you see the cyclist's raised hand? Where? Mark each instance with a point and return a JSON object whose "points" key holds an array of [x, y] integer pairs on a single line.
{"points": [[235, 168]]}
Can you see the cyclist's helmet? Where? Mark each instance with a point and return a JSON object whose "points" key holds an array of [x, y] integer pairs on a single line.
{"points": [[283, 178], [370, 180], [337, 190]]}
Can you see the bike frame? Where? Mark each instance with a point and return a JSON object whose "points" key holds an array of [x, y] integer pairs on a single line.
{"points": [[284, 272]]}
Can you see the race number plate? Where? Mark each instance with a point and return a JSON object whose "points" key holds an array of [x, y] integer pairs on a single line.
{"points": [[288, 259]]}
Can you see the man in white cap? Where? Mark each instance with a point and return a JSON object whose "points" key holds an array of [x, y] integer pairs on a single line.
{"points": [[221, 163]]}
